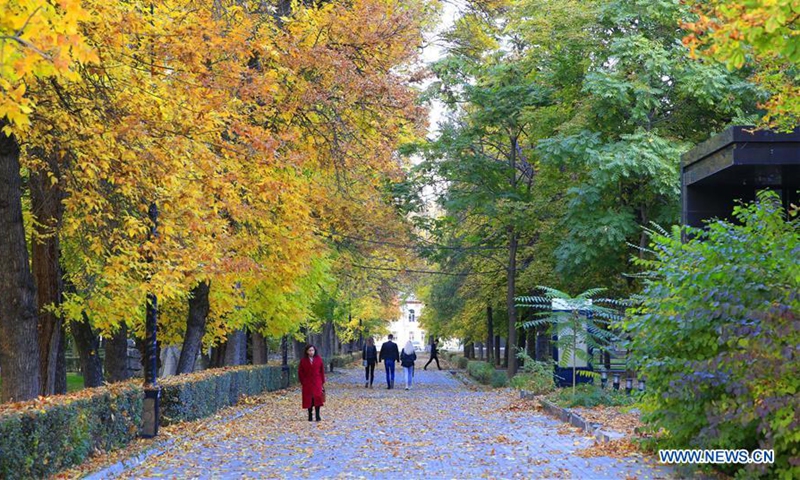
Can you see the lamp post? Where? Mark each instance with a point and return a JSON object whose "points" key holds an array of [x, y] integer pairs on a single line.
{"points": [[603, 379], [616, 381], [641, 384], [152, 391], [628, 385]]}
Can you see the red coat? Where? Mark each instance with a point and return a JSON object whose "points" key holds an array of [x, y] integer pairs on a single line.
{"points": [[312, 378]]}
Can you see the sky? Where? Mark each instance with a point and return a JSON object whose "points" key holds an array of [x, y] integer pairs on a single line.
{"points": [[434, 50]]}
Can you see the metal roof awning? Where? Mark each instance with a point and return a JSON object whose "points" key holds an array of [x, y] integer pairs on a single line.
{"points": [[735, 164]]}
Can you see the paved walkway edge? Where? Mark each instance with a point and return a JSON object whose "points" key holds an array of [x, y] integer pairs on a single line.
{"points": [[576, 420], [118, 468]]}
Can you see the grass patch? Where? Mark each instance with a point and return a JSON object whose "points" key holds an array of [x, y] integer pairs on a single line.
{"points": [[74, 382]]}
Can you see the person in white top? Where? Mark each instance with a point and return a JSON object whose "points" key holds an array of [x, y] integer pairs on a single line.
{"points": [[407, 358]]}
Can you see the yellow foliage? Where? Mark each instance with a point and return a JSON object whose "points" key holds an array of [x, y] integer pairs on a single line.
{"points": [[259, 141]]}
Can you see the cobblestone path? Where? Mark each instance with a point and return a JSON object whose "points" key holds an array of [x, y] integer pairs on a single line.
{"points": [[441, 428]]}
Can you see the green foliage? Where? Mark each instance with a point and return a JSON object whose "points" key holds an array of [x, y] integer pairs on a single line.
{"points": [[716, 335], [200, 394], [535, 377], [587, 395], [461, 362], [499, 379], [41, 437], [642, 102], [486, 374]]}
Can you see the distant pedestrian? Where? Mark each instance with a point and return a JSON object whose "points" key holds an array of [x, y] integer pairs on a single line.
{"points": [[311, 373], [407, 358], [434, 355], [369, 357], [388, 355]]}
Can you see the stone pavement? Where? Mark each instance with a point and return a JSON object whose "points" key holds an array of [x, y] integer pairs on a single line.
{"points": [[441, 428]]}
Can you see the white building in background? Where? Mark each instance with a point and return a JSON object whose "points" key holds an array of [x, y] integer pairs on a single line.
{"points": [[407, 327]]}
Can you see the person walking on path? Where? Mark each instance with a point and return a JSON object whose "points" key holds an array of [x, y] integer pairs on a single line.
{"points": [[311, 373], [407, 358], [369, 357], [389, 354], [434, 356]]}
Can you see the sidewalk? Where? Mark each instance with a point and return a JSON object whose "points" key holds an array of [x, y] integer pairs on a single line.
{"points": [[438, 429]]}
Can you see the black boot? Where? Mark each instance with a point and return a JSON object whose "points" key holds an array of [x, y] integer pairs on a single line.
{"points": [[318, 419], [309, 414]]}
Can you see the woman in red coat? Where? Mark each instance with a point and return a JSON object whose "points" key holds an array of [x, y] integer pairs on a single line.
{"points": [[311, 373]]}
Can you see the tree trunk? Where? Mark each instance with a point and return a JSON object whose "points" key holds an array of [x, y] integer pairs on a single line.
{"points": [[497, 350], [506, 355], [512, 271], [510, 302], [46, 206], [195, 327], [61, 364], [236, 348], [88, 343], [19, 346], [490, 335], [217, 359], [543, 352], [260, 351], [530, 345], [116, 361]]}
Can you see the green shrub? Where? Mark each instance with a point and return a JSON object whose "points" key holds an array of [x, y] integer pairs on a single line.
{"points": [[486, 374], [536, 384], [588, 395], [716, 335], [200, 394], [536, 377], [499, 379], [41, 437], [462, 362], [480, 371]]}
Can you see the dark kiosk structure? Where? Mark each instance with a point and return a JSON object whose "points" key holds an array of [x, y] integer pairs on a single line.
{"points": [[734, 165]]}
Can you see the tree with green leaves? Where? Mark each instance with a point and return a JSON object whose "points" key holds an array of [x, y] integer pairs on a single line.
{"points": [[645, 102]]}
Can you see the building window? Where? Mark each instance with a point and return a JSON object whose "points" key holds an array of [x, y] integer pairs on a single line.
{"points": [[411, 336], [411, 317]]}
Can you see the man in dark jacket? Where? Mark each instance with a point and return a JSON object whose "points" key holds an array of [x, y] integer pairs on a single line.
{"points": [[434, 355], [389, 354]]}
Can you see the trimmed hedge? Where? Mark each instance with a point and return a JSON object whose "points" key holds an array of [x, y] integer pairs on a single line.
{"points": [[200, 394], [40, 437], [486, 374]]}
